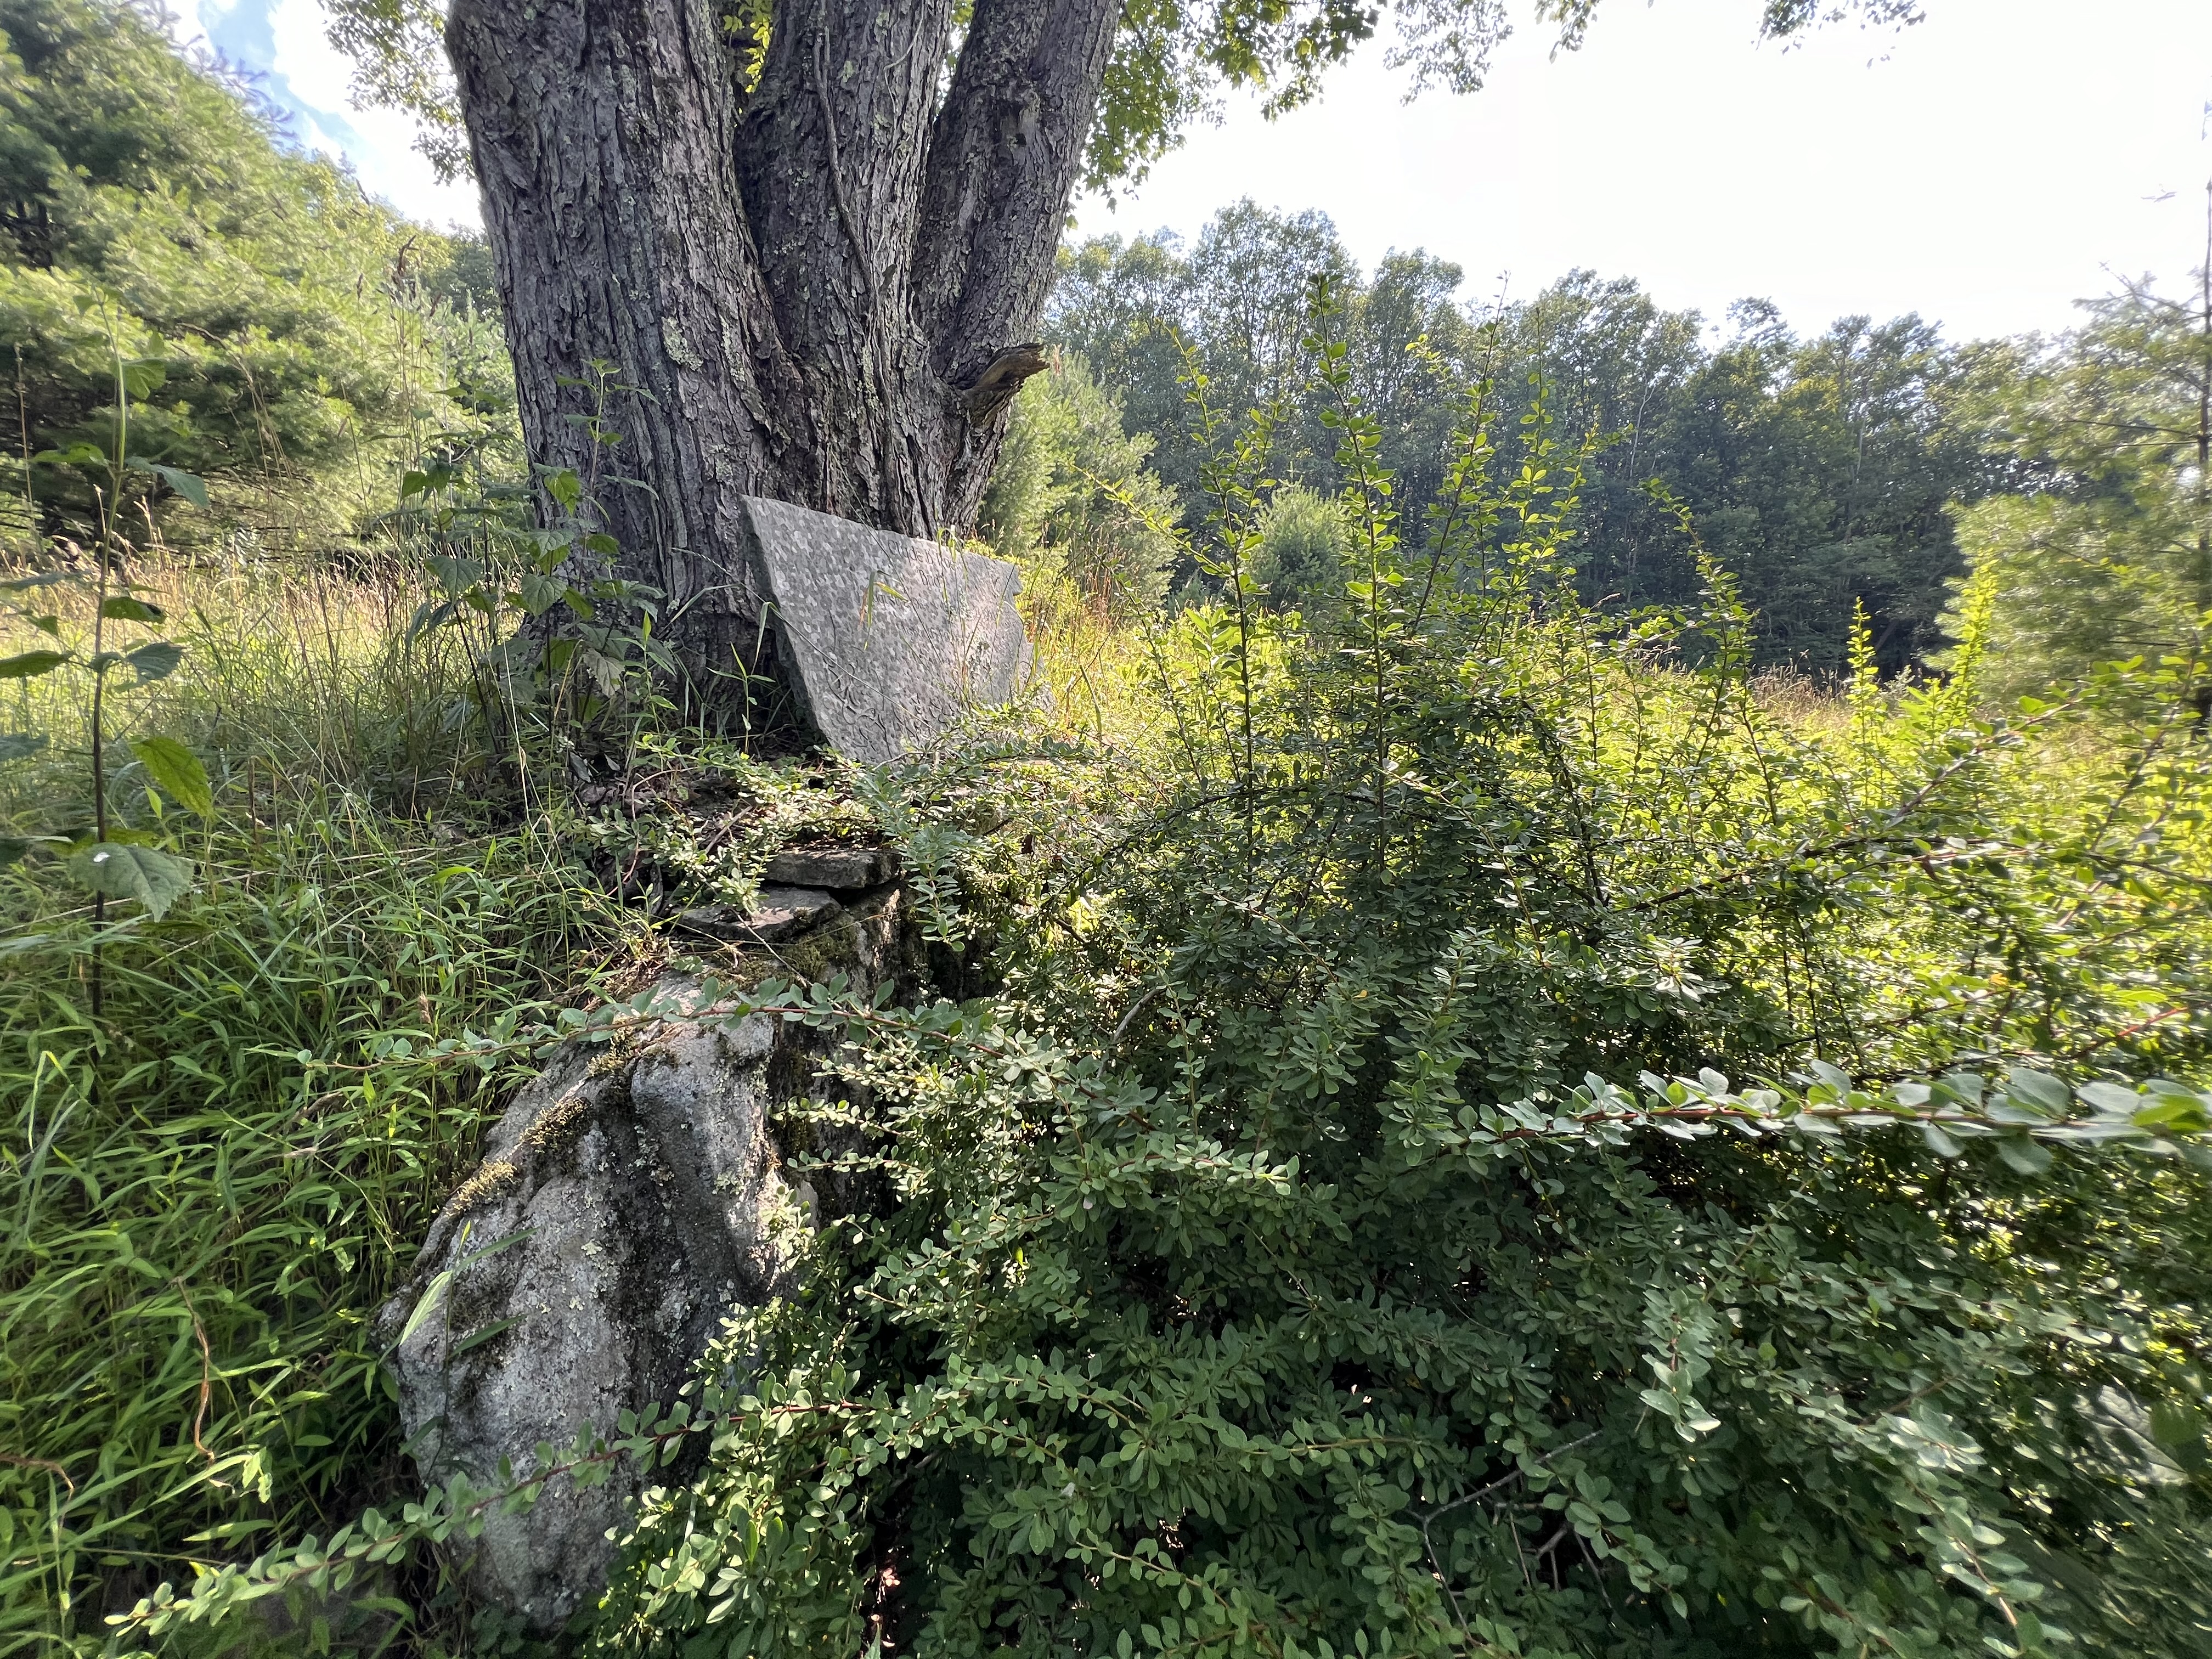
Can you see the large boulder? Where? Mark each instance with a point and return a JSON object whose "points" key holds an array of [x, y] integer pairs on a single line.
{"points": [[627, 1202]]}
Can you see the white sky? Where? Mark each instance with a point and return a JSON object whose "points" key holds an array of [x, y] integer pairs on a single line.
{"points": [[1984, 169]]}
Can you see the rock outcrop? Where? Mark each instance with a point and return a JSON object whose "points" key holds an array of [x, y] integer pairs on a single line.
{"points": [[627, 1202]]}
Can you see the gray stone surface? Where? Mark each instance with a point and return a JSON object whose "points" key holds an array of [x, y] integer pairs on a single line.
{"points": [[887, 638], [649, 1188], [840, 869], [780, 913]]}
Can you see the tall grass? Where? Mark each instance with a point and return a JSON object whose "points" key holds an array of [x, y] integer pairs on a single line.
{"points": [[210, 1188]]}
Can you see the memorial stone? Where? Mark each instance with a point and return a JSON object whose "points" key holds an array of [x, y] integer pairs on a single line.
{"points": [[887, 638]]}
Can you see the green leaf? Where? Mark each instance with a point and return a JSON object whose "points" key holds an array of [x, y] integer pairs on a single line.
{"points": [[425, 1305], [155, 879], [2175, 1425], [77, 454], [456, 576], [12, 850], [541, 593], [190, 485], [484, 1335], [431, 614], [1938, 1142], [2179, 1115], [564, 487], [28, 664], [43, 579], [2038, 1089], [122, 607], [156, 660], [178, 771], [2026, 1155], [17, 745], [142, 376], [428, 482]]}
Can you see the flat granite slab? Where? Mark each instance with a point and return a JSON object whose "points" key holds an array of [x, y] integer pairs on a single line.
{"points": [[888, 638]]}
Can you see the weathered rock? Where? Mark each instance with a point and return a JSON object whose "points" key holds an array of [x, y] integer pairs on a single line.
{"points": [[887, 638], [840, 869], [635, 1199], [781, 913]]}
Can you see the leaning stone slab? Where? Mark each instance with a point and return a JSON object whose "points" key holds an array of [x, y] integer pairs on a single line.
{"points": [[887, 638], [628, 1200]]}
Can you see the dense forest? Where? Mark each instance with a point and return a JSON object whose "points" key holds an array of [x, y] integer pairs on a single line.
{"points": [[1572, 1018], [1819, 471]]}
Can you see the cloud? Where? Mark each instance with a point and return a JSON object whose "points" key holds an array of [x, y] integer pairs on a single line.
{"points": [[379, 142], [318, 74]]}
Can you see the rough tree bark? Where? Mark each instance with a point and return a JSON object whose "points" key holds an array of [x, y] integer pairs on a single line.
{"points": [[820, 291]]}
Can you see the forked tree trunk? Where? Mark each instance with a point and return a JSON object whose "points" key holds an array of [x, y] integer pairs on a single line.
{"points": [[816, 290]]}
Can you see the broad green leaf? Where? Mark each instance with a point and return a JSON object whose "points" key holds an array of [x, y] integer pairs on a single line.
{"points": [[77, 454], [156, 660], [190, 485], [2180, 1114], [2174, 1426], [455, 575], [2038, 1089], [118, 869], [2113, 1097], [428, 482], [564, 487], [1938, 1142], [121, 607], [2026, 1155], [142, 376], [16, 746], [28, 664], [606, 671], [178, 771], [541, 593], [431, 614]]}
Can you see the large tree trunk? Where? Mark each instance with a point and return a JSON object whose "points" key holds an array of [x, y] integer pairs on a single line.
{"points": [[812, 293]]}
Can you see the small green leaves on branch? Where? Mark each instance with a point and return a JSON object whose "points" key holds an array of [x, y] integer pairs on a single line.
{"points": [[2023, 1114]]}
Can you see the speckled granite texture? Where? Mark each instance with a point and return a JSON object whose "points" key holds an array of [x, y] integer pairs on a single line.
{"points": [[888, 639]]}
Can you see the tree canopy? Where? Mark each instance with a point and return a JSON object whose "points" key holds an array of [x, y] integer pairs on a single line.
{"points": [[1821, 470], [1171, 61]]}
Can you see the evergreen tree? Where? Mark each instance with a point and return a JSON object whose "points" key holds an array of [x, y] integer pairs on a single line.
{"points": [[290, 328]]}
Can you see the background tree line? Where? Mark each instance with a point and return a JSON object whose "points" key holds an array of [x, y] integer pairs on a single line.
{"points": [[307, 341], [1820, 470]]}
